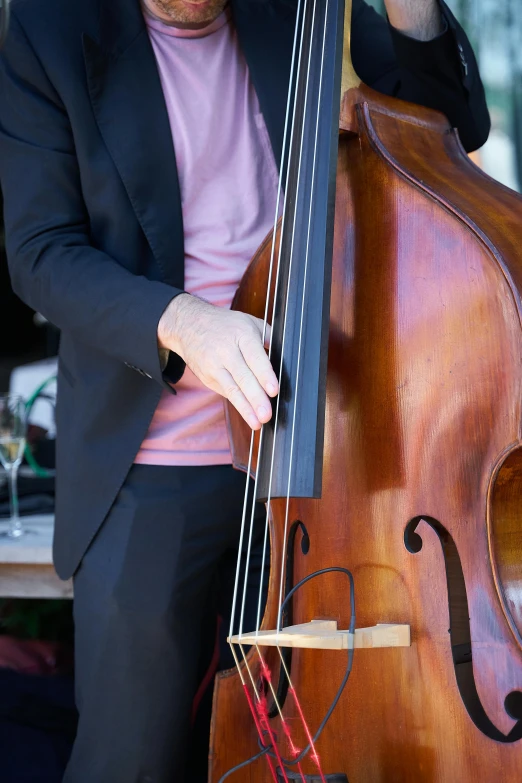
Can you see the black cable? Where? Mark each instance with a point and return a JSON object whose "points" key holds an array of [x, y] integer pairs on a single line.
{"points": [[351, 629], [244, 764]]}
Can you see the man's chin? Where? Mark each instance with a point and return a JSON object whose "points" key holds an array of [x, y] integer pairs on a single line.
{"points": [[186, 12], [197, 15]]}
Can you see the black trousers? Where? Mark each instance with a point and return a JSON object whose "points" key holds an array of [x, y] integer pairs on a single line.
{"points": [[146, 598]]}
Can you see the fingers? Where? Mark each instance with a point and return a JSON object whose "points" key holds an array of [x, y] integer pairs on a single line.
{"points": [[268, 336], [251, 388], [257, 359], [225, 350], [248, 378], [265, 330], [228, 387], [253, 377]]}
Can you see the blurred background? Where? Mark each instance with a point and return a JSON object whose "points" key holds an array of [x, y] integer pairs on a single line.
{"points": [[495, 30]]}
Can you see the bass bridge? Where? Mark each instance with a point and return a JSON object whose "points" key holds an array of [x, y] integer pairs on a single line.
{"points": [[341, 778], [324, 635]]}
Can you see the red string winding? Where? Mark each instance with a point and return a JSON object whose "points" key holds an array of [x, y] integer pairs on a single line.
{"points": [[266, 674], [264, 720], [259, 712], [260, 731], [313, 755]]}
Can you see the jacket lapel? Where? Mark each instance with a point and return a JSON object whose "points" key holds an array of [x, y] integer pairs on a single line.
{"points": [[127, 99], [266, 34]]}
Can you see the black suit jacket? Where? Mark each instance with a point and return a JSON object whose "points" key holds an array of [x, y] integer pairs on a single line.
{"points": [[92, 206]]}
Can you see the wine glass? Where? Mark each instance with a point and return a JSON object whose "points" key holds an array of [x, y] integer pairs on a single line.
{"points": [[13, 427]]}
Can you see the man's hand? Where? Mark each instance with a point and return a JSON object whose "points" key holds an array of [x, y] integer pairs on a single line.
{"points": [[421, 19], [225, 350]]}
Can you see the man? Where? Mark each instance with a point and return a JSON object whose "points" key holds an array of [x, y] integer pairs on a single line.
{"points": [[139, 150]]}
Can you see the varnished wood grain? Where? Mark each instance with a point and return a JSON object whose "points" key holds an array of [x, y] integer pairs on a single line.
{"points": [[422, 422]]}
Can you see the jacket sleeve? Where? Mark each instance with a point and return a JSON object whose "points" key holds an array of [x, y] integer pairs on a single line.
{"points": [[440, 74], [53, 267]]}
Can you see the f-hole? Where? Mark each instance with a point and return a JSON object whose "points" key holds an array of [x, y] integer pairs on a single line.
{"points": [[287, 618], [460, 634]]}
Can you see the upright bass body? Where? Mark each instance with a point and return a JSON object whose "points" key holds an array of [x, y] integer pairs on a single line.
{"points": [[422, 470]]}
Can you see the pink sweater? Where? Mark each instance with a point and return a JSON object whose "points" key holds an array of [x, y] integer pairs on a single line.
{"points": [[228, 181]]}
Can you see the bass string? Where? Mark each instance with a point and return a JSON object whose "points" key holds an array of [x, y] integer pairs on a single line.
{"points": [[252, 707], [316, 759], [285, 321], [272, 260], [264, 718], [295, 69], [293, 78], [284, 723], [261, 715], [315, 756], [265, 324], [301, 323], [311, 742]]}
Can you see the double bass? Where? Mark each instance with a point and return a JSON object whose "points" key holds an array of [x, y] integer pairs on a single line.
{"points": [[390, 647]]}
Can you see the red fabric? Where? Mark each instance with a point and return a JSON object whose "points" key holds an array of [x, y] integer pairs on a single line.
{"points": [[209, 676], [30, 656]]}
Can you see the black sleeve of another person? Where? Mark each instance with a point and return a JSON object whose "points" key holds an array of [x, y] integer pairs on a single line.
{"points": [[440, 74]]}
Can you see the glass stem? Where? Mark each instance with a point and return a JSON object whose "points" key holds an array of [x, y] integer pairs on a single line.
{"points": [[15, 526]]}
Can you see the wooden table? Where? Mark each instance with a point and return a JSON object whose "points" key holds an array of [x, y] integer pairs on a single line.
{"points": [[26, 567]]}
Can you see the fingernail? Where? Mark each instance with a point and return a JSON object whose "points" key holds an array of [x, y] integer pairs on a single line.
{"points": [[262, 412], [271, 388]]}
